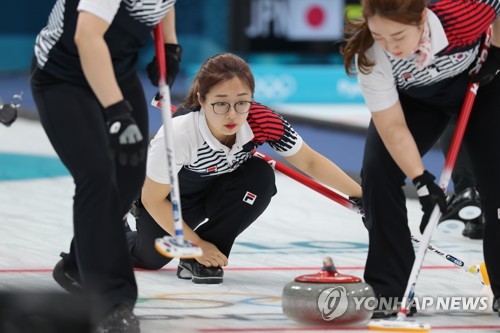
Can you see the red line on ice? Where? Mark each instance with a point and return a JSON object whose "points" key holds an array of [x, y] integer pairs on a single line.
{"points": [[338, 328], [291, 268]]}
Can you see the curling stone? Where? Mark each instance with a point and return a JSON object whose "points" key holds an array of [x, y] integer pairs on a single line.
{"points": [[327, 298]]}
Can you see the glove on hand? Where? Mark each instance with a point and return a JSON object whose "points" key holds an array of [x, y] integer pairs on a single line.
{"points": [[125, 136], [173, 53], [430, 195], [489, 68]]}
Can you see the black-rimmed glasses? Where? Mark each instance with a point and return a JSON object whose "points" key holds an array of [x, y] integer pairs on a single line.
{"points": [[240, 107]]}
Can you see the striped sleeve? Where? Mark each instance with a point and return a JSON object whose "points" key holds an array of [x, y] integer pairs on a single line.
{"points": [[50, 35], [105, 9], [465, 21], [270, 127]]}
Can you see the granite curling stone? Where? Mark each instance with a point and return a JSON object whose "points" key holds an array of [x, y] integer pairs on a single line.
{"points": [[328, 298]]}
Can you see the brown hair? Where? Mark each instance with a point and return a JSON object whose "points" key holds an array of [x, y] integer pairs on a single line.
{"points": [[360, 38], [217, 69]]}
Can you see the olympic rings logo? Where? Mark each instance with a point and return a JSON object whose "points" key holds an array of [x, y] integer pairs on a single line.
{"points": [[274, 87]]}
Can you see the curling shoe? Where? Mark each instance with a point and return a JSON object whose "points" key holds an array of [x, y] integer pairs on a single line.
{"points": [[120, 319], [198, 273], [67, 277], [474, 229], [463, 206]]}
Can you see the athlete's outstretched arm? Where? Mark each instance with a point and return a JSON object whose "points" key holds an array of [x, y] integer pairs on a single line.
{"points": [[323, 170]]}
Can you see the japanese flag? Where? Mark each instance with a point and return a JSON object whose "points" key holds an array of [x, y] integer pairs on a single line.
{"points": [[315, 20]]}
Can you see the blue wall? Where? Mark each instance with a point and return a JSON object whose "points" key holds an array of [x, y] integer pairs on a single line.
{"points": [[24, 16], [203, 30], [202, 27], [300, 84], [21, 20]]}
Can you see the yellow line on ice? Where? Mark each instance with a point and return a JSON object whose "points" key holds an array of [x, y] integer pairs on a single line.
{"points": [[398, 326]]}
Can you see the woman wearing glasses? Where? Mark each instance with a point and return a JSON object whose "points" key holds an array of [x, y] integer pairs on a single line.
{"points": [[215, 133]]}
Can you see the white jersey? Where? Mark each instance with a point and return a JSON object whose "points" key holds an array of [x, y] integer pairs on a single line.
{"points": [[200, 157], [456, 31], [131, 23]]}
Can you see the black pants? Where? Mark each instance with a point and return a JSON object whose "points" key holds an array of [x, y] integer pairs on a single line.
{"points": [[390, 254], [224, 207], [74, 122], [463, 174]]}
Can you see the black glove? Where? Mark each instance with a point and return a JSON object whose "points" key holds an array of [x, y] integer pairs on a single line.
{"points": [[125, 136], [173, 53], [430, 195], [8, 113], [490, 67], [135, 210]]}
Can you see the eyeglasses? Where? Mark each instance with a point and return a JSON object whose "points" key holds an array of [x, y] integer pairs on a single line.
{"points": [[240, 107]]}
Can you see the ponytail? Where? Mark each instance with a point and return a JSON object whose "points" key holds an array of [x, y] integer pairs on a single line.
{"points": [[358, 43]]}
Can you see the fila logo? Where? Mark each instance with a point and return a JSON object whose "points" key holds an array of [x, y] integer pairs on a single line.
{"points": [[249, 198], [212, 169], [408, 77]]}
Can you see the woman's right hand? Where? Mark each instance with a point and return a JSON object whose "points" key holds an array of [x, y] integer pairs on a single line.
{"points": [[211, 257]]}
